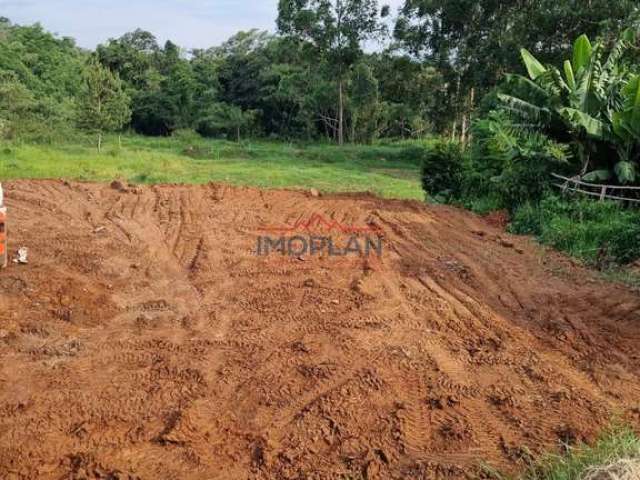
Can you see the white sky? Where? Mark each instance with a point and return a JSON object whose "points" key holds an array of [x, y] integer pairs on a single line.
{"points": [[189, 23]]}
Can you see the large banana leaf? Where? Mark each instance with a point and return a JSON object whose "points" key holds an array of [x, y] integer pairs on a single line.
{"points": [[582, 50], [579, 120], [626, 122], [602, 175], [523, 109], [528, 88], [568, 72], [619, 48], [558, 83], [534, 67], [586, 96], [631, 93]]}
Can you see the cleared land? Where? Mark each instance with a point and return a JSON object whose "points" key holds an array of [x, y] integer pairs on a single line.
{"points": [[145, 339]]}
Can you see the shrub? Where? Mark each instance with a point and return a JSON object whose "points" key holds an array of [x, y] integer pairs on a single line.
{"points": [[442, 167], [600, 233], [509, 164], [186, 136]]}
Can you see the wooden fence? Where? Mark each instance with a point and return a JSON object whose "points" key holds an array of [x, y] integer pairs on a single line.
{"points": [[603, 192]]}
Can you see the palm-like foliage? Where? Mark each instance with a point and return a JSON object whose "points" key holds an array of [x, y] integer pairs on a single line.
{"points": [[593, 104]]}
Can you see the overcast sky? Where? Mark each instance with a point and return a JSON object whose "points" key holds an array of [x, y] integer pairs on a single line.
{"points": [[189, 23]]}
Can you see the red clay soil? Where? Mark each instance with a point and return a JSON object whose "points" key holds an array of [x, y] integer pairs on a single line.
{"points": [[146, 340]]}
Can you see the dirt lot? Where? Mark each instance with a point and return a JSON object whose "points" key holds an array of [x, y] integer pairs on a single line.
{"points": [[145, 339]]}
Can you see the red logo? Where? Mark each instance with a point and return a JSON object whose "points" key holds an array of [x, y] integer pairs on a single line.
{"points": [[318, 222]]}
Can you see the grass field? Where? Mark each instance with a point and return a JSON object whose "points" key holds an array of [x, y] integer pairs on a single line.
{"points": [[389, 171]]}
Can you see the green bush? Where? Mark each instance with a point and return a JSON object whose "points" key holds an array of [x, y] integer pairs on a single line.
{"points": [[483, 205], [186, 136], [600, 233], [510, 165], [442, 166]]}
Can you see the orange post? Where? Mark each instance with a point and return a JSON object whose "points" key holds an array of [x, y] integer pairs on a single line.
{"points": [[4, 257]]}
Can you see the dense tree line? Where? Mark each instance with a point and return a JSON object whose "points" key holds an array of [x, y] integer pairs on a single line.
{"points": [[344, 70]]}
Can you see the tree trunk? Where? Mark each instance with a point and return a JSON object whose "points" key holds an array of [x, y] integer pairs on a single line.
{"points": [[238, 134], [100, 142], [119, 141], [353, 128], [340, 113], [465, 134], [472, 104], [456, 112], [463, 129]]}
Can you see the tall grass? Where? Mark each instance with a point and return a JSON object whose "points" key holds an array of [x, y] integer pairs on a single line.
{"points": [[616, 443], [600, 233]]}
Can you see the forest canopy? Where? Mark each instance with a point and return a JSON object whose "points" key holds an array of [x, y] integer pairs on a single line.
{"points": [[349, 70]]}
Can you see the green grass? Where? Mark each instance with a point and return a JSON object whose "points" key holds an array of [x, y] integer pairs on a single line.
{"points": [[602, 234], [387, 170], [617, 442], [625, 276]]}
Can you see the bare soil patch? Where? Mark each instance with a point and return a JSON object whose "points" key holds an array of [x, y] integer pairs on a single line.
{"points": [[145, 339]]}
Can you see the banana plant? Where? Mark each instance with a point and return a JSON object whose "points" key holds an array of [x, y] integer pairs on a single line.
{"points": [[592, 98], [626, 127]]}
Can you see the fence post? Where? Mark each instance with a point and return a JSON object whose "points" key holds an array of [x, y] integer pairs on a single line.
{"points": [[603, 193]]}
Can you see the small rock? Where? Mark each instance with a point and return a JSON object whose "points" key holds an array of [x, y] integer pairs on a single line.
{"points": [[520, 251], [119, 186], [302, 258], [314, 193], [335, 302], [21, 256], [99, 229], [65, 314], [506, 243], [300, 346], [309, 283], [479, 233]]}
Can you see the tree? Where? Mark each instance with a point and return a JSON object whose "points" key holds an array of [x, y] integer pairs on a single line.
{"points": [[335, 30], [131, 57], [222, 118], [17, 106], [474, 43], [41, 76], [410, 91], [135, 58], [364, 100], [103, 105]]}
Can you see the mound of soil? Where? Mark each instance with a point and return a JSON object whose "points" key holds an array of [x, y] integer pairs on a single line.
{"points": [[146, 339]]}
